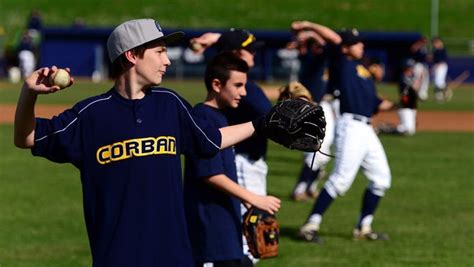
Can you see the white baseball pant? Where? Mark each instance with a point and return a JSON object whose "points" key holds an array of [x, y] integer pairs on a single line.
{"points": [[407, 121], [440, 71], [321, 160], [422, 73], [357, 145]]}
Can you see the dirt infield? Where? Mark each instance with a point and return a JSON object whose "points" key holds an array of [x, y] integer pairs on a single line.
{"points": [[438, 121]]}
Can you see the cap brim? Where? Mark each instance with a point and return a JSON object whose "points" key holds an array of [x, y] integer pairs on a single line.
{"points": [[169, 38], [352, 41], [172, 37], [253, 47]]}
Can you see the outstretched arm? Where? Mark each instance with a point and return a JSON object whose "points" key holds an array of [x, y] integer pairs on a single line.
{"points": [[223, 183], [25, 123], [201, 43], [325, 32], [387, 105], [234, 134]]}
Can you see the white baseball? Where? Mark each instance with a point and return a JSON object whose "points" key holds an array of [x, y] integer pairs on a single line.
{"points": [[60, 78], [195, 46]]}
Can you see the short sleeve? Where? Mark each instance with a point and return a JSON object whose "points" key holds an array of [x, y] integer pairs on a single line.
{"points": [[198, 136], [59, 139], [205, 167]]}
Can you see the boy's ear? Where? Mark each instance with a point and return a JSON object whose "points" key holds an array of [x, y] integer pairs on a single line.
{"points": [[130, 56], [216, 85], [344, 49]]}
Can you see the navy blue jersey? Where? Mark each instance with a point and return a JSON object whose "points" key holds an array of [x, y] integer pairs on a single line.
{"points": [[214, 221], [311, 73], [252, 106], [420, 55], [128, 154], [440, 55], [354, 82]]}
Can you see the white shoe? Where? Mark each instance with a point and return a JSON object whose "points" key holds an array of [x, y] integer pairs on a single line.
{"points": [[309, 232], [366, 233]]}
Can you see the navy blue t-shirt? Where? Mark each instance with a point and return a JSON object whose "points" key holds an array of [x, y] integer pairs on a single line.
{"points": [[128, 154], [421, 54], [214, 220], [354, 82], [311, 73], [440, 55], [252, 106]]}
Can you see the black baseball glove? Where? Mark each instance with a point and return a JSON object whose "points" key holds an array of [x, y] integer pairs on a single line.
{"points": [[295, 124]]}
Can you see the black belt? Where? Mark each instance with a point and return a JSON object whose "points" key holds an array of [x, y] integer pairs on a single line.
{"points": [[361, 118]]}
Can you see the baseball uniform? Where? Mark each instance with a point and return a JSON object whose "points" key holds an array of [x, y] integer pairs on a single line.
{"points": [[421, 69], [357, 144], [128, 155], [408, 101], [313, 65], [440, 70]]}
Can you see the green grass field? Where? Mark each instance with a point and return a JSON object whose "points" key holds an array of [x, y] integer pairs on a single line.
{"points": [[429, 211], [194, 91]]}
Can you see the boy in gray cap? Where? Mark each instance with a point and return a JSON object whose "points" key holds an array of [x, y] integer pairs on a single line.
{"points": [[126, 144]]}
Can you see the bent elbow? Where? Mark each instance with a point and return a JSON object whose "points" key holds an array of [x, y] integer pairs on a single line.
{"points": [[21, 143]]}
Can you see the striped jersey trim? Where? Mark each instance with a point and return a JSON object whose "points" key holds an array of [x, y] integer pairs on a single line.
{"points": [[74, 120], [189, 114]]}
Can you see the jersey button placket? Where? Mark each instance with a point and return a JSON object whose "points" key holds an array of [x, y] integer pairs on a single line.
{"points": [[138, 119]]}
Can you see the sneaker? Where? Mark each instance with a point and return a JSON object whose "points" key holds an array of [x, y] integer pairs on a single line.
{"points": [[439, 96], [448, 94], [386, 128], [368, 235], [301, 197], [312, 194], [309, 233]]}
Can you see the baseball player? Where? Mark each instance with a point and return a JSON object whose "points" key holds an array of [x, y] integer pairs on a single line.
{"points": [[250, 157], [313, 57], [440, 69], [356, 141], [419, 53], [126, 144], [409, 87], [212, 192]]}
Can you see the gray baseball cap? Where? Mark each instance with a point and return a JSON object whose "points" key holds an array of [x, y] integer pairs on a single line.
{"points": [[133, 33]]}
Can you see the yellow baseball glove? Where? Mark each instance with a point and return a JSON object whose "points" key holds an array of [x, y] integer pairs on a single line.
{"points": [[294, 90]]}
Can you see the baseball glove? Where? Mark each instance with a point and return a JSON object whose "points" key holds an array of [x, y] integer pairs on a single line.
{"points": [[261, 229], [295, 124], [294, 90]]}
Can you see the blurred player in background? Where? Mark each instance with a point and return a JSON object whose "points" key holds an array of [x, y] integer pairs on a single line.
{"points": [[250, 158], [357, 144], [409, 86], [440, 69], [211, 189], [419, 53], [313, 57], [26, 55], [408, 89], [126, 144]]}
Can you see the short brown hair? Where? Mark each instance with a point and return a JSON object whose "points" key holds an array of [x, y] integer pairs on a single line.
{"points": [[121, 64], [220, 67]]}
